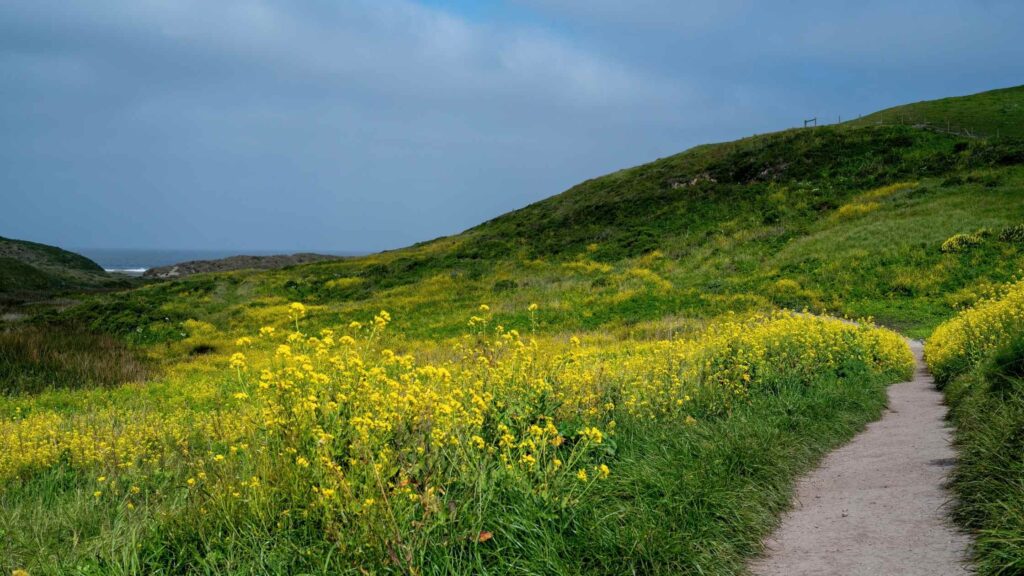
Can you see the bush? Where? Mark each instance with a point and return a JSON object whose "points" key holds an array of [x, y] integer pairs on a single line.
{"points": [[1004, 369], [961, 242], [1013, 234], [971, 337]]}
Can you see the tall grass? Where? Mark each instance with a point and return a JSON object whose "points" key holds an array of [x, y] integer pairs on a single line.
{"points": [[37, 359], [979, 357]]}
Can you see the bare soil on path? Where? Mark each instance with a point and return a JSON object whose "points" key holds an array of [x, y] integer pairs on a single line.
{"points": [[878, 505]]}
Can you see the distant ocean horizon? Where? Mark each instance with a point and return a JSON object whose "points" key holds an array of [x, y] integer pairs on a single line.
{"points": [[138, 260]]}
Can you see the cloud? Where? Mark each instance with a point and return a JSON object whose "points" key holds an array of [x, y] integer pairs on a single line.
{"points": [[889, 33], [372, 124], [334, 125]]}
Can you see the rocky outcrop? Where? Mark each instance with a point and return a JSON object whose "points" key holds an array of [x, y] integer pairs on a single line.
{"points": [[184, 269]]}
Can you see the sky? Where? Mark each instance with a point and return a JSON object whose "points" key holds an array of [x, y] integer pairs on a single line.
{"points": [[340, 125]]}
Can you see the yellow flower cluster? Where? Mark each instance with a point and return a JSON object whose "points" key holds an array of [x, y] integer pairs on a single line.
{"points": [[868, 202], [363, 435], [973, 334], [961, 242], [348, 427], [109, 438]]}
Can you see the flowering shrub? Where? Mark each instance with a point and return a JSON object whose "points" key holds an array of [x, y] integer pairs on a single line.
{"points": [[970, 337], [961, 242], [868, 202]]}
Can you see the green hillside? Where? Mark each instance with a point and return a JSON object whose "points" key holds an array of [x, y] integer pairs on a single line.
{"points": [[30, 270], [845, 218], [608, 381], [989, 114]]}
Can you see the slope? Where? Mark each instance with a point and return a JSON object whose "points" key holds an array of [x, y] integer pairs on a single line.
{"points": [[815, 218], [29, 270], [991, 113]]}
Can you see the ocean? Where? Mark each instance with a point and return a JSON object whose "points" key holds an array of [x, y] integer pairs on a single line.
{"points": [[136, 261]]}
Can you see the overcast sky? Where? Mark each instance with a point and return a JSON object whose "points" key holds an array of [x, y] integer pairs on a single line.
{"points": [[364, 125]]}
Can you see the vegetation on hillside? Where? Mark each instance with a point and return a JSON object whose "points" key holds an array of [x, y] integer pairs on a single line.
{"points": [[315, 452], [836, 219], [989, 114], [979, 357], [631, 397], [34, 360], [32, 271]]}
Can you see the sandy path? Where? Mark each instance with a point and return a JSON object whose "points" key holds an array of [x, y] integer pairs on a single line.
{"points": [[877, 506]]}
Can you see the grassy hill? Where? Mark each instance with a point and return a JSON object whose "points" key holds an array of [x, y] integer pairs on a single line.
{"points": [[989, 114], [601, 382], [848, 218], [29, 270]]}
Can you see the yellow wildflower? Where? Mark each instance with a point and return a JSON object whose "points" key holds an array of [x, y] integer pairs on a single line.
{"points": [[297, 310]]}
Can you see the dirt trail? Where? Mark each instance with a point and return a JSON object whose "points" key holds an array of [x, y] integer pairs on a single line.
{"points": [[877, 506]]}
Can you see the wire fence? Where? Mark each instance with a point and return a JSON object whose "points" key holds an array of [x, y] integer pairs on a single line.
{"points": [[909, 121], [942, 128]]}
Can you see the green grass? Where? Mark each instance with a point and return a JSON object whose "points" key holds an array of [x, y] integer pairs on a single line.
{"points": [[978, 357], [42, 255], [988, 114], [987, 406], [16, 276], [721, 489]]}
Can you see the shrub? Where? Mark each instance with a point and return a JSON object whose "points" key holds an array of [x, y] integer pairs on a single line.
{"points": [[887, 191], [856, 209], [971, 337], [1004, 369], [788, 293], [1013, 234], [961, 242]]}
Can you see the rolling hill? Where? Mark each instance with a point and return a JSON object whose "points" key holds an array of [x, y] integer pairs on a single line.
{"points": [[989, 114], [849, 218], [30, 270]]}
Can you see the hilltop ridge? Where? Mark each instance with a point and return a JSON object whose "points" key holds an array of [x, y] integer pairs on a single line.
{"points": [[993, 113]]}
